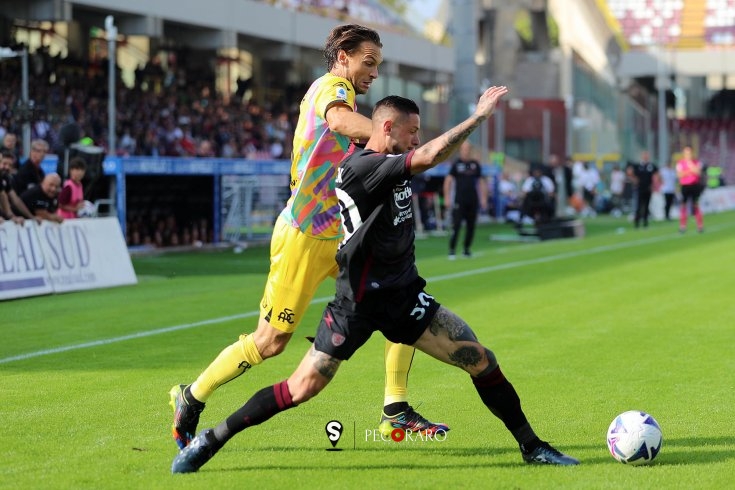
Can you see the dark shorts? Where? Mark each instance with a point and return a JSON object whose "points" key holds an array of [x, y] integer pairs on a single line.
{"points": [[400, 315], [691, 192]]}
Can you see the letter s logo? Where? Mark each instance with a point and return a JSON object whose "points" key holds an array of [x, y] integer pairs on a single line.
{"points": [[334, 431]]}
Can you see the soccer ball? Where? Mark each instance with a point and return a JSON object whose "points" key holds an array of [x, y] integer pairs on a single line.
{"points": [[634, 438]]}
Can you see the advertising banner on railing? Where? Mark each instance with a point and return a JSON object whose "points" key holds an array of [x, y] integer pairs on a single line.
{"points": [[718, 200], [75, 255], [22, 264]]}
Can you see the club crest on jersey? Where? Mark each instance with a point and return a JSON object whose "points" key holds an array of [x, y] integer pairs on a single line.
{"points": [[286, 316]]}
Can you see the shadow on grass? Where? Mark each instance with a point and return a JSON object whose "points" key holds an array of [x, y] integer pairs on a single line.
{"points": [[205, 263], [679, 451]]}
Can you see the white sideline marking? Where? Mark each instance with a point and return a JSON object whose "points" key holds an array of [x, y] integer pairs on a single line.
{"points": [[446, 277]]}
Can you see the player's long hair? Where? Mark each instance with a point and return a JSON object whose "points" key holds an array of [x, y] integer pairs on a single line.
{"points": [[348, 38]]}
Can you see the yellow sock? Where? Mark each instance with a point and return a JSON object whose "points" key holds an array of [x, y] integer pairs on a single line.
{"points": [[233, 361], [398, 359]]}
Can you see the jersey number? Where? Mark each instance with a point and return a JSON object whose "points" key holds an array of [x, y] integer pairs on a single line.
{"points": [[420, 309]]}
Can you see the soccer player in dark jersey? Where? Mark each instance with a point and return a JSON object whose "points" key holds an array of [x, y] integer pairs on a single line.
{"points": [[379, 287], [306, 237], [465, 193]]}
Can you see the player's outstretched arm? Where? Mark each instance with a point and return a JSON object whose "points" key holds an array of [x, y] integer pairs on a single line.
{"points": [[440, 148]]}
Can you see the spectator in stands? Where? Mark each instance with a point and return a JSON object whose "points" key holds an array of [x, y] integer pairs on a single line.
{"points": [[537, 193], [617, 186], [668, 188], [42, 200], [465, 195], [10, 143], [689, 172], [71, 197], [509, 195], [590, 178], [643, 173], [205, 149], [31, 174], [13, 206], [6, 212], [127, 145]]}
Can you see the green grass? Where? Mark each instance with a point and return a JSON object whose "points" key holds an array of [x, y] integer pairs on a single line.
{"points": [[585, 329]]}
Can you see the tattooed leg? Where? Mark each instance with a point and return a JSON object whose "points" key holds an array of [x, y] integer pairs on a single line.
{"points": [[449, 339], [313, 374]]}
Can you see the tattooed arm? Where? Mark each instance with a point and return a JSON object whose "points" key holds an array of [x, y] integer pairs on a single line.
{"points": [[439, 149]]}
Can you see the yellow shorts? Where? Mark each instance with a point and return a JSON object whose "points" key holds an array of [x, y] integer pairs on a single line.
{"points": [[299, 264]]}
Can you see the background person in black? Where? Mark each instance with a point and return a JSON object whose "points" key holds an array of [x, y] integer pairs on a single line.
{"points": [[12, 206], [642, 174], [42, 200], [538, 197], [465, 193], [379, 288], [30, 173]]}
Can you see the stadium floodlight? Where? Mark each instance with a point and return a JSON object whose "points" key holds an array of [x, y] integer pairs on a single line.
{"points": [[23, 55]]}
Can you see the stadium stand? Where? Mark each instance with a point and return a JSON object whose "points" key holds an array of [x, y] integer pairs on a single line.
{"points": [[719, 22], [646, 22], [684, 24]]}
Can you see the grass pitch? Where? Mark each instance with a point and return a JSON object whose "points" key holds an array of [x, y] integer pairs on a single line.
{"points": [[585, 329]]}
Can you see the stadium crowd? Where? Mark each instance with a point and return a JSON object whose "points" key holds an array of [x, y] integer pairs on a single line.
{"points": [[168, 112]]}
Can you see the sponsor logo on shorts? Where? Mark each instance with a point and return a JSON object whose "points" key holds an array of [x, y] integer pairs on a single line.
{"points": [[286, 316]]}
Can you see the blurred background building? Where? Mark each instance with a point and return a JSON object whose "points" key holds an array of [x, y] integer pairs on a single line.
{"points": [[596, 80]]}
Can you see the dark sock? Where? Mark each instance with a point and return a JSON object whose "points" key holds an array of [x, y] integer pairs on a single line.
{"points": [[395, 408], [261, 406], [190, 400], [501, 398]]}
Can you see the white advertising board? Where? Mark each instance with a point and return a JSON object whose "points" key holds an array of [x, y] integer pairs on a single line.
{"points": [[717, 200], [22, 264], [75, 255]]}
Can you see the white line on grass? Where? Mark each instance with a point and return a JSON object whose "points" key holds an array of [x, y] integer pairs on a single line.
{"points": [[446, 277]]}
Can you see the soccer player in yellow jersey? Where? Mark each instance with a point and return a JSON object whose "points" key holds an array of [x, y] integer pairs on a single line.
{"points": [[306, 236]]}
